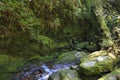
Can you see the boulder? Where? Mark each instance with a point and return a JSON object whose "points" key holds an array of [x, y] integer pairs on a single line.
{"points": [[68, 57], [65, 74], [97, 62], [115, 75]]}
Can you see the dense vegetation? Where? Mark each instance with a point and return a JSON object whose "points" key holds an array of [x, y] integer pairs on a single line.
{"points": [[39, 29]]}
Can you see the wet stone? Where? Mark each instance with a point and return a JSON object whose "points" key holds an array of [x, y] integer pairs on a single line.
{"points": [[41, 72]]}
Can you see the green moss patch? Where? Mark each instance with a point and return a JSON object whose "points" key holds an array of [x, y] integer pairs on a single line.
{"points": [[65, 74], [9, 65], [115, 75], [97, 62], [70, 57]]}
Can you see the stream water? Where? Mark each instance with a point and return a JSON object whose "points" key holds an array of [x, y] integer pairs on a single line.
{"points": [[55, 68], [41, 72]]}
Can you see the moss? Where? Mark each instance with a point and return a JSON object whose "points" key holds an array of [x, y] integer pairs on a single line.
{"points": [[40, 58], [65, 74], [70, 57], [113, 75], [62, 45], [91, 47], [29, 22], [66, 57], [29, 28], [97, 63], [106, 43], [9, 65], [93, 55], [82, 44]]}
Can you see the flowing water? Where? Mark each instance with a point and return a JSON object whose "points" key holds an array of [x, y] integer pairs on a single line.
{"points": [[55, 68], [41, 72]]}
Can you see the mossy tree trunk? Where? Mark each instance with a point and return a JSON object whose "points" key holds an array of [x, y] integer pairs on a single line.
{"points": [[98, 14], [97, 19], [106, 40]]}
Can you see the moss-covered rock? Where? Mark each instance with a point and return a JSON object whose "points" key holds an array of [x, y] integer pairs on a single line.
{"points": [[70, 57], [115, 75], [9, 65], [65, 74], [87, 45], [98, 62]]}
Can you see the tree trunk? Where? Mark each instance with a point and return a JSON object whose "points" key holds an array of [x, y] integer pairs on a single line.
{"points": [[98, 21]]}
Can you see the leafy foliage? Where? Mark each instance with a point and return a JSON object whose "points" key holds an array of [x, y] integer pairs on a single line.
{"points": [[19, 25], [9, 65], [34, 28]]}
